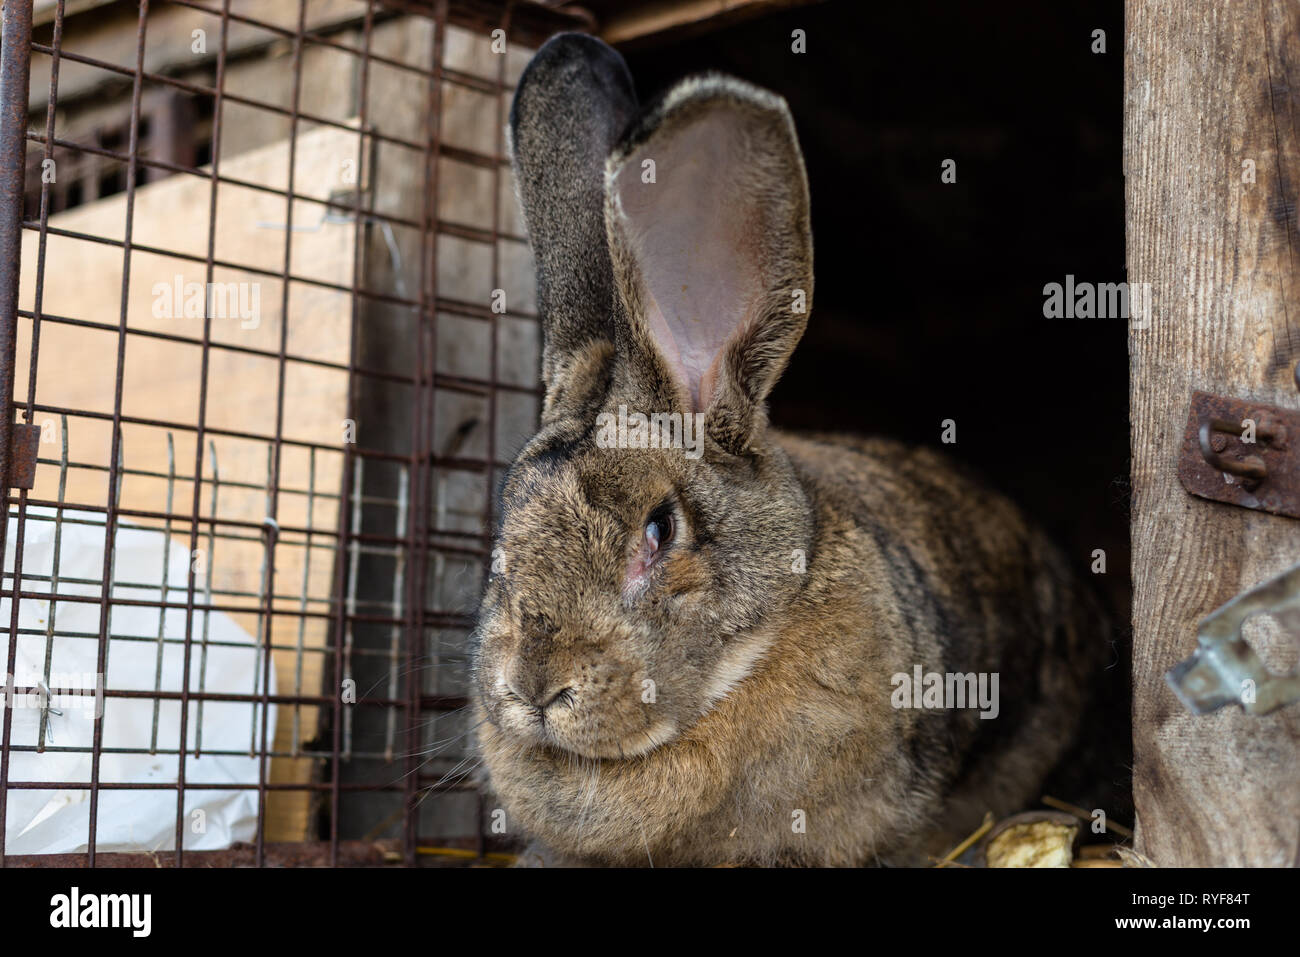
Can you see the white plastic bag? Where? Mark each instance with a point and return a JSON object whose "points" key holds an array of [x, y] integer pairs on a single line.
{"points": [[50, 821]]}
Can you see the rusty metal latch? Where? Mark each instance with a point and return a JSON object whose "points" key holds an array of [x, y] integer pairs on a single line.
{"points": [[1225, 668], [1243, 453], [23, 450]]}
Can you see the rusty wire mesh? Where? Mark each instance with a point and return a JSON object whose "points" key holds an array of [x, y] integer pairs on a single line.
{"points": [[195, 452]]}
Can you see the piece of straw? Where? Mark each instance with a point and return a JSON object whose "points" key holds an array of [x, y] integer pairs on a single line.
{"points": [[960, 849], [1080, 813]]}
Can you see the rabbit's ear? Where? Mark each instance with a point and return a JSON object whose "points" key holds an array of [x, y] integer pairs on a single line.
{"points": [[573, 102], [707, 210]]}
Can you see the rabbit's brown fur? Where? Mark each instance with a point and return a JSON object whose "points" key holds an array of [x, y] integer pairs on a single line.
{"points": [[732, 703]]}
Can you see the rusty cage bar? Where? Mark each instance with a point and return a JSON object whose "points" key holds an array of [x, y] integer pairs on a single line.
{"points": [[280, 616]]}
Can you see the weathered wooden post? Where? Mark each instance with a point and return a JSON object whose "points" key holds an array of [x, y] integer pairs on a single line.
{"points": [[1212, 165]]}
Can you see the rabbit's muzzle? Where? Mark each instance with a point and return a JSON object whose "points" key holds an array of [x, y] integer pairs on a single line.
{"points": [[586, 697]]}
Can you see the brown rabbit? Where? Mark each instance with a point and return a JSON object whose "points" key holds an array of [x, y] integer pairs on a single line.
{"points": [[694, 646]]}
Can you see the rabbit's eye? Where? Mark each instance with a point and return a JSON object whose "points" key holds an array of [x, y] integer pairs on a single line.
{"points": [[659, 531]]}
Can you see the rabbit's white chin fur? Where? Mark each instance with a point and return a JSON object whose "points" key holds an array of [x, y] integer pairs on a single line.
{"points": [[564, 730]]}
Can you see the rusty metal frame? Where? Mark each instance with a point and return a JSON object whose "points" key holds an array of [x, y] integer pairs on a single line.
{"points": [[525, 22], [15, 72], [1219, 463]]}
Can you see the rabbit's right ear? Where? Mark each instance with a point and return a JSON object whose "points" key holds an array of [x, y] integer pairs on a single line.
{"points": [[573, 102], [708, 218]]}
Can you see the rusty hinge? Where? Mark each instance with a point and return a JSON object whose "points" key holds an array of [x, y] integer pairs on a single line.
{"points": [[23, 449], [1225, 668], [1243, 453]]}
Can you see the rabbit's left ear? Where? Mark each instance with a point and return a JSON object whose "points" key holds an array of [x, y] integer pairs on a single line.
{"points": [[707, 214]]}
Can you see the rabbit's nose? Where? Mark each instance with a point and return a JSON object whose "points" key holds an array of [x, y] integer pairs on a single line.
{"points": [[534, 691]]}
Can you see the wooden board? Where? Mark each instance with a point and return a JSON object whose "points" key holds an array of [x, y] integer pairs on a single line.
{"points": [[1209, 88], [621, 23], [109, 34]]}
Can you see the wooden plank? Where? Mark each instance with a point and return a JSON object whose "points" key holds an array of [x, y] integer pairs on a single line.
{"points": [[1208, 89], [634, 21], [109, 34], [242, 854], [44, 11]]}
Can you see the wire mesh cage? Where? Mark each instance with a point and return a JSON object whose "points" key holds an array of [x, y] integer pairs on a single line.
{"points": [[266, 339]]}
